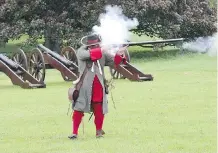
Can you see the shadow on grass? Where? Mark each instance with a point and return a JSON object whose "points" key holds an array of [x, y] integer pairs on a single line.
{"points": [[58, 83], [9, 86]]}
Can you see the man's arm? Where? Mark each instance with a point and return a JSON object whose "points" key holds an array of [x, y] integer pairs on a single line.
{"points": [[91, 54], [114, 60]]}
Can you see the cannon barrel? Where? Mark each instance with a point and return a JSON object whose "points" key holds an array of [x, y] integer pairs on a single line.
{"points": [[56, 55], [9, 62]]}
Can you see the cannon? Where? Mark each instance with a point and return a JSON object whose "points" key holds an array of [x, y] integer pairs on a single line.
{"points": [[42, 58], [16, 69]]}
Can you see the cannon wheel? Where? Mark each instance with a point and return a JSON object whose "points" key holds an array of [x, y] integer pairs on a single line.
{"points": [[114, 73], [20, 58], [70, 54], [37, 65]]}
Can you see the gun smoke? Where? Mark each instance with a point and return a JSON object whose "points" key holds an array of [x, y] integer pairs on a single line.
{"points": [[203, 45], [114, 26]]}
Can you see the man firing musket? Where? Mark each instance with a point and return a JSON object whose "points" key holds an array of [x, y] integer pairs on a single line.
{"points": [[89, 93]]}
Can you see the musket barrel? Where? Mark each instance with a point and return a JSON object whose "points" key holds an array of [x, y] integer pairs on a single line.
{"points": [[154, 42], [147, 42]]}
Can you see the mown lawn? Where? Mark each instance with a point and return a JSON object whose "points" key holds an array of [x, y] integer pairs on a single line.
{"points": [[175, 113]]}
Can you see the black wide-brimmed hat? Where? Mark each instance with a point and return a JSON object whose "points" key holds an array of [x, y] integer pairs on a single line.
{"points": [[90, 40]]}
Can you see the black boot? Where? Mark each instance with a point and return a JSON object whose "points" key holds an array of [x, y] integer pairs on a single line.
{"points": [[72, 137], [99, 133]]}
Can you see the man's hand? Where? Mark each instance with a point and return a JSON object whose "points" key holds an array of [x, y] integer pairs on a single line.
{"points": [[121, 51]]}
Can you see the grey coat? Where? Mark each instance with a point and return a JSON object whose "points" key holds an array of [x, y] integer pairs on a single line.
{"points": [[84, 100]]}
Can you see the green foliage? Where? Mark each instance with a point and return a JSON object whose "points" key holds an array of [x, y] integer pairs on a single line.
{"points": [[173, 18], [58, 21], [65, 22], [213, 3]]}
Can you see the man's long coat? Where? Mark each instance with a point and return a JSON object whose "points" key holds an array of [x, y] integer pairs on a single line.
{"points": [[83, 103]]}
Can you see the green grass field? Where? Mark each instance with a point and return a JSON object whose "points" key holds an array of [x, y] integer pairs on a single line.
{"points": [[175, 113]]}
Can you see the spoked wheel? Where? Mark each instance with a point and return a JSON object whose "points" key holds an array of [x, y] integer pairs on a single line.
{"points": [[70, 54], [115, 74], [20, 58], [37, 65]]}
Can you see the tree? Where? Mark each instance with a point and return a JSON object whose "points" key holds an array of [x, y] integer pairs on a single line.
{"points": [[65, 22], [59, 22], [173, 18]]}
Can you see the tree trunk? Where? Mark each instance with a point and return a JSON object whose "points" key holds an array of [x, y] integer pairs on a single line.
{"points": [[52, 41]]}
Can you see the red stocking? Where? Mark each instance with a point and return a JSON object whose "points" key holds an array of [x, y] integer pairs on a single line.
{"points": [[77, 118], [99, 116]]}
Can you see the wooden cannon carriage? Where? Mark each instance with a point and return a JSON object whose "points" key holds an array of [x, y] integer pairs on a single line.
{"points": [[16, 69], [129, 71], [42, 58]]}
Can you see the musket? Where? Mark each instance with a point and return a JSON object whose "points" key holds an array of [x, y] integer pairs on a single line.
{"points": [[154, 42], [129, 43]]}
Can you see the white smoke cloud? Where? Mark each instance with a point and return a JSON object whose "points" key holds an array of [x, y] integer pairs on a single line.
{"points": [[203, 45], [114, 26]]}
